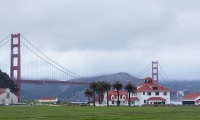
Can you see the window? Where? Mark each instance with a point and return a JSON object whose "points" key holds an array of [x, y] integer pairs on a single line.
{"points": [[157, 93], [7, 95], [143, 93], [124, 97], [155, 88], [112, 102], [133, 93], [149, 93], [144, 101], [112, 97], [164, 93]]}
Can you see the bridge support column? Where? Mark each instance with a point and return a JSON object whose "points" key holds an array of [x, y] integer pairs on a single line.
{"points": [[155, 72], [15, 67]]}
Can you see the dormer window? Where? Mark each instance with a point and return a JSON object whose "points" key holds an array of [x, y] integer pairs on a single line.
{"points": [[124, 97], [112, 97], [155, 88]]}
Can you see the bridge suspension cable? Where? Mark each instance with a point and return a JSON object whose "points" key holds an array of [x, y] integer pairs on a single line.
{"points": [[51, 62], [165, 76], [4, 39], [4, 51], [2, 43], [164, 72], [143, 71]]}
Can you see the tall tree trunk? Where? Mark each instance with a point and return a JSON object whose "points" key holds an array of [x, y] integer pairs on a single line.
{"points": [[129, 99], [93, 98], [107, 99], [99, 98], [118, 102]]}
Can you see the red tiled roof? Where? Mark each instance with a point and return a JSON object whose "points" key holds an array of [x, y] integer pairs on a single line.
{"points": [[47, 99], [197, 101], [156, 98], [191, 96], [114, 93], [134, 98], [3, 89], [148, 86], [97, 98]]}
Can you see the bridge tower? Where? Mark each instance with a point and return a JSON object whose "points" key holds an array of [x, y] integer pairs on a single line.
{"points": [[15, 67], [155, 72]]}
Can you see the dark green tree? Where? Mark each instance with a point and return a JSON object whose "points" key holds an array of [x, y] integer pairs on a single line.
{"points": [[129, 87], [100, 90], [88, 93], [6, 82], [93, 86], [107, 87], [118, 86]]}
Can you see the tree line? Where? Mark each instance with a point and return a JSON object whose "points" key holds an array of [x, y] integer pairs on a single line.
{"points": [[101, 87], [6, 82]]}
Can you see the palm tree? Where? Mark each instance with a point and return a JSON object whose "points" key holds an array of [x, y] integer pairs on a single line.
{"points": [[93, 86], [100, 90], [107, 87], [129, 87], [118, 86], [88, 93]]}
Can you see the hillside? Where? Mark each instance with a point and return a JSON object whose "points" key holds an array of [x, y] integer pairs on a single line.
{"points": [[76, 92], [73, 92]]}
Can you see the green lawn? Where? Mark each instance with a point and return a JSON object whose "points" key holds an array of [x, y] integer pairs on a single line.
{"points": [[98, 113]]}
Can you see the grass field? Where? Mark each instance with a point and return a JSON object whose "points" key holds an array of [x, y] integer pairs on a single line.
{"points": [[98, 113]]}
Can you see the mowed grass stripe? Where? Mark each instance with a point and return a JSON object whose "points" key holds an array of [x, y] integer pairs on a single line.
{"points": [[98, 113]]}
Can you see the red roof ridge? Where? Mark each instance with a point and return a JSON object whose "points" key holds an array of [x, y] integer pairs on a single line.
{"points": [[133, 98], [156, 98], [191, 96], [45, 98]]}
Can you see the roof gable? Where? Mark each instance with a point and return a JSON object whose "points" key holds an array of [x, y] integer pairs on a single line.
{"points": [[114, 94], [149, 86]]}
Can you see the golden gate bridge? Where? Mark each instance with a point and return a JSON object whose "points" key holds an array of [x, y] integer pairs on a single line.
{"points": [[25, 59]]}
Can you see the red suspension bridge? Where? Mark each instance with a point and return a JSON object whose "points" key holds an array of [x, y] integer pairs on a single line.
{"points": [[38, 68]]}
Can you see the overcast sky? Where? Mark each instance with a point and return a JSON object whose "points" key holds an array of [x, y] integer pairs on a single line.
{"points": [[96, 37]]}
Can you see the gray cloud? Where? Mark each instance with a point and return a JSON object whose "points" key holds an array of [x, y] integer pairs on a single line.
{"points": [[113, 35]]}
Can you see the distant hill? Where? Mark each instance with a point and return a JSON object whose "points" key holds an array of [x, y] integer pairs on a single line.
{"points": [[123, 77], [76, 92], [73, 92]]}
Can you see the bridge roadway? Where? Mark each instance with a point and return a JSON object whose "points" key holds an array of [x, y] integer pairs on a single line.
{"points": [[51, 82]]}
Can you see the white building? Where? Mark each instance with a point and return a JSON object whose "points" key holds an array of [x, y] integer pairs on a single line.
{"points": [[7, 97], [50, 100], [112, 98], [150, 93], [191, 99]]}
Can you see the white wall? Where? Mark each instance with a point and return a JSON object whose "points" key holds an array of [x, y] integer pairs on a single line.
{"points": [[8, 98], [153, 94]]}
